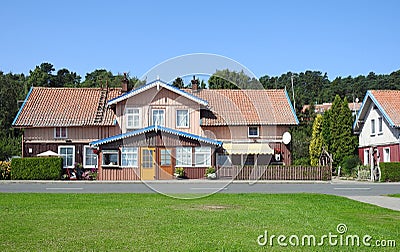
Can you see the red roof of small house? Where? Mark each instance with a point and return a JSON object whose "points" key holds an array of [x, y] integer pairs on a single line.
{"points": [[389, 100], [246, 107], [321, 108], [62, 107]]}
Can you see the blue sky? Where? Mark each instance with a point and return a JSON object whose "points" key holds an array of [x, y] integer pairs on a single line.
{"points": [[268, 37]]}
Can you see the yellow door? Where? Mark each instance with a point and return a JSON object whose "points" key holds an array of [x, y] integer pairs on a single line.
{"points": [[147, 166]]}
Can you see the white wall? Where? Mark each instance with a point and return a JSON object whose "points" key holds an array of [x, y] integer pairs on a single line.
{"points": [[388, 135]]}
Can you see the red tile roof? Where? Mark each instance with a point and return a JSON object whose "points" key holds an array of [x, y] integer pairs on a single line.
{"points": [[389, 100], [246, 107], [61, 107]]}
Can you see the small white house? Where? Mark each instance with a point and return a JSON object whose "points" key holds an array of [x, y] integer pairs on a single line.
{"points": [[378, 127]]}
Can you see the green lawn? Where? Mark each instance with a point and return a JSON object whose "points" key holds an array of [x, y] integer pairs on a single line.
{"points": [[152, 222], [395, 195]]}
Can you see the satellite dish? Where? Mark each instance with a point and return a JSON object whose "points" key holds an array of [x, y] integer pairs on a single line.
{"points": [[286, 137]]}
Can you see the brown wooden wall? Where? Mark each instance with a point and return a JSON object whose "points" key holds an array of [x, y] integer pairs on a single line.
{"points": [[73, 133], [42, 147]]}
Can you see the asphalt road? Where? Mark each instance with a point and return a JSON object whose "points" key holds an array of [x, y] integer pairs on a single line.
{"points": [[203, 187]]}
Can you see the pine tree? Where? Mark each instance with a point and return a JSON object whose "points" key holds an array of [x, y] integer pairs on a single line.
{"points": [[347, 141]]}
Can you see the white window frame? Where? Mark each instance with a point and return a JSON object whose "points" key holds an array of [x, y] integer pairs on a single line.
{"points": [[380, 125], [125, 159], [56, 129], [163, 117], [130, 114], [73, 155], [165, 153], [206, 153], [386, 155], [84, 157], [258, 131], [366, 157], [187, 121], [109, 152], [184, 157], [373, 130]]}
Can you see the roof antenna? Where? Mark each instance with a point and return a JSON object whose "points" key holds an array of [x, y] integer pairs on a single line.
{"points": [[294, 101]]}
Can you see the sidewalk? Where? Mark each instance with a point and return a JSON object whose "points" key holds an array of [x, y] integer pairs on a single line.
{"points": [[382, 201]]}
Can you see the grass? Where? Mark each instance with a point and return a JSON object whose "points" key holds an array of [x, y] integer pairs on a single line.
{"points": [[394, 195], [152, 222]]}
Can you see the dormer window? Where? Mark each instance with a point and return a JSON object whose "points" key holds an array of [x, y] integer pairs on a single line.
{"points": [[158, 117], [182, 118], [133, 118], [60, 132]]}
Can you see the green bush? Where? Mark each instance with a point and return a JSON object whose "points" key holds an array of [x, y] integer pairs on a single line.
{"points": [[350, 164], [46, 168], [390, 172]]}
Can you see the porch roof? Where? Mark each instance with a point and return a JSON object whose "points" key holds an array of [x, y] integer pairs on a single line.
{"points": [[155, 128], [248, 148]]}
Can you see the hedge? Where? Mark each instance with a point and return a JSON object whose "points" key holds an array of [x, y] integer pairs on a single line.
{"points": [[390, 171], [30, 168]]}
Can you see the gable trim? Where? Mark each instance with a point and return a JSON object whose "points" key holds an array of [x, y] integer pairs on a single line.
{"points": [[157, 83], [23, 105], [291, 107], [377, 104]]}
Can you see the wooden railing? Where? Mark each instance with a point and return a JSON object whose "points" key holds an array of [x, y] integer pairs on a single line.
{"points": [[273, 172]]}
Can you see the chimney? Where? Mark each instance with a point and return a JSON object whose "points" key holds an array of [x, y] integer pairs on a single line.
{"points": [[195, 84], [124, 86]]}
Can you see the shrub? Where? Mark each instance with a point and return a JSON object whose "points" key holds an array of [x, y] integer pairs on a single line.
{"points": [[179, 172], [350, 164], [46, 168], [210, 173], [390, 172], [5, 170]]}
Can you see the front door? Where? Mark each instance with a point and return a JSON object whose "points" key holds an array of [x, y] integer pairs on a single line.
{"points": [[147, 164], [166, 169]]}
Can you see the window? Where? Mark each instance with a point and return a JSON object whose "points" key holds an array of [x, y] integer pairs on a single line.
{"points": [[202, 156], [60, 132], [380, 125], [110, 158], [183, 156], [372, 126], [366, 157], [249, 160], [253, 131], [182, 118], [129, 157], [224, 161], [158, 117], [89, 158], [68, 155], [386, 155], [165, 157], [133, 118]]}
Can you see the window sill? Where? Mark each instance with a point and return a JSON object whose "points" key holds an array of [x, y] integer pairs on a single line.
{"points": [[380, 133], [372, 135], [110, 166], [182, 127], [90, 166], [254, 136]]}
